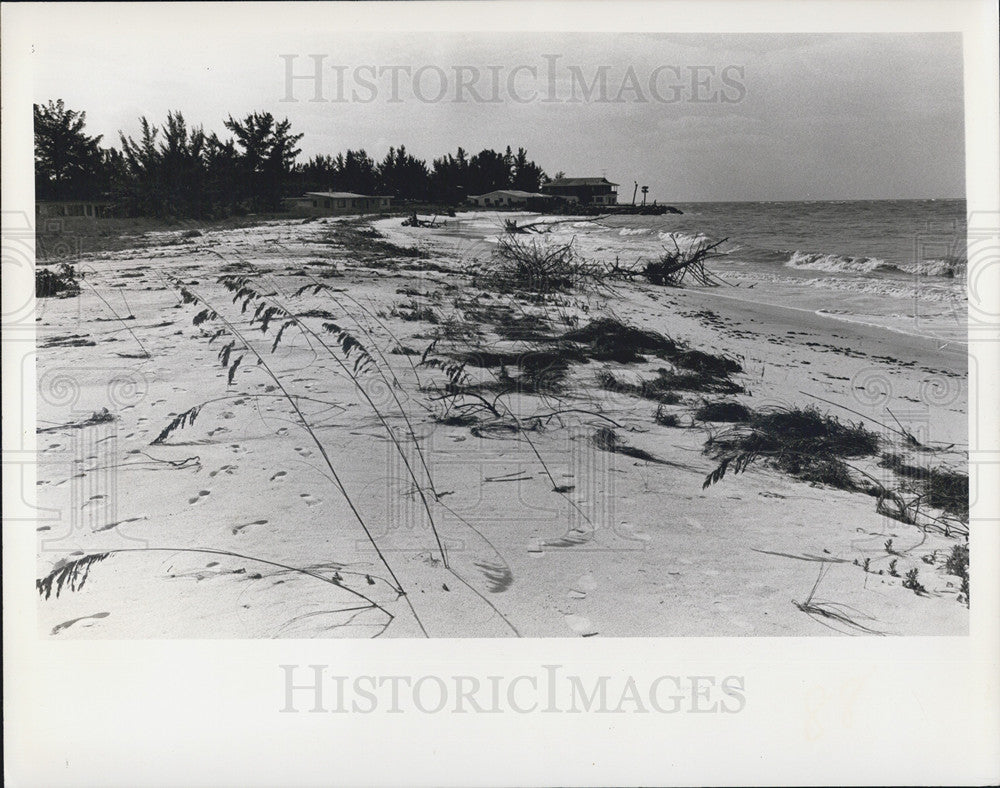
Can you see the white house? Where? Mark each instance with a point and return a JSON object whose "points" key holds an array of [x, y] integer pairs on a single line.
{"points": [[505, 198], [332, 203]]}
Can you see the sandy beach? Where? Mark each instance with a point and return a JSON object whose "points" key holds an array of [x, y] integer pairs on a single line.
{"points": [[233, 524]]}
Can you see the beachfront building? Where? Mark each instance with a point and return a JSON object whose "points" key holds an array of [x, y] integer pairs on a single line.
{"points": [[87, 209], [586, 191], [336, 203], [508, 198]]}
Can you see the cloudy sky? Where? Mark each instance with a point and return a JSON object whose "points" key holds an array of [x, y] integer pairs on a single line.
{"points": [[750, 117]]}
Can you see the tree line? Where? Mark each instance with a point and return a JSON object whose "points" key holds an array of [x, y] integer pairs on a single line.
{"points": [[176, 170]]}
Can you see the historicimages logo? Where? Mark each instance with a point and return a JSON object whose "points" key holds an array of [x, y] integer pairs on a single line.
{"points": [[315, 78], [318, 689]]}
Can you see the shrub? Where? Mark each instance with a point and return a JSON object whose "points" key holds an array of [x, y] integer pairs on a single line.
{"points": [[941, 488], [912, 582], [958, 565], [539, 266], [49, 283]]}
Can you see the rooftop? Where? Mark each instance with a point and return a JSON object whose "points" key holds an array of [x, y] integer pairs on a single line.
{"points": [[580, 182], [344, 195], [511, 193]]}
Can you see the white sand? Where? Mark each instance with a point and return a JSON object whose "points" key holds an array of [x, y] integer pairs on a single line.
{"points": [[635, 548]]}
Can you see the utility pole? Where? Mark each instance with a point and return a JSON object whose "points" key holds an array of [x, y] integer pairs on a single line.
{"points": [[645, 190], [633, 193]]}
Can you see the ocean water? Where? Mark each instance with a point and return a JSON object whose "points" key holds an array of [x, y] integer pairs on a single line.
{"points": [[897, 264]]}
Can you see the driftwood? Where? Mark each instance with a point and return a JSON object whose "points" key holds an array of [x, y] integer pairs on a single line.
{"points": [[415, 221], [673, 266], [511, 227]]}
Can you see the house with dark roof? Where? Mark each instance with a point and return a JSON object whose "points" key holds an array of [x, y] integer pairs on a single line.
{"points": [[586, 191]]}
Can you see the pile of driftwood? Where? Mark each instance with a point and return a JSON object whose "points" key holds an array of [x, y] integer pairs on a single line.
{"points": [[415, 221], [675, 265]]}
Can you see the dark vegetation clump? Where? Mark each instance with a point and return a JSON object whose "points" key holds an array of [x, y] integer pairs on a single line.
{"points": [[696, 381], [802, 442], [940, 488], [369, 245], [539, 267], [508, 322], [49, 283], [706, 363], [958, 565], [607, 439], [537, 371], [608, 339], [665, 419], [723, 411], [524, 328], [415, 311], [657, 389]]}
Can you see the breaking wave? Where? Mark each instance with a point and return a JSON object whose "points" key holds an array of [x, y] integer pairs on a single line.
{"points": [[837, 262], [683, 240], [949, 268]]}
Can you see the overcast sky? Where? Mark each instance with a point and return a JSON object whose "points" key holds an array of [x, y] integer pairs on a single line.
{"points": [[750, 117]]}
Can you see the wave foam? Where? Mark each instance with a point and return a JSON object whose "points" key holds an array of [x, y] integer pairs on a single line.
{"points": [[835, 263], [949, 268], [838, 263], [683, 240]]}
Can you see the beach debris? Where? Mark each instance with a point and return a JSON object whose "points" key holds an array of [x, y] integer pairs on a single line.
{"points": [[675, 265], [102, 416], [416, 221]]}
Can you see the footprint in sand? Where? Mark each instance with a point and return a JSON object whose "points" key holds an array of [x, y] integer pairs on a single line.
{"points": [[282, 431], [584, 585], [227, 469], [310, 501], [201, 494], [239, 528], [580, 624], [303, 452], [279, 476]]}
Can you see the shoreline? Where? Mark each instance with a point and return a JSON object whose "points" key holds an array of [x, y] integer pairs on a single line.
{"points": [[657, 555]]}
